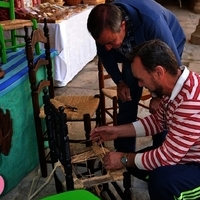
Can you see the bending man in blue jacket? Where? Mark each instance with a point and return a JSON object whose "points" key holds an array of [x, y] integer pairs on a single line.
{"points": [[117, 28]]}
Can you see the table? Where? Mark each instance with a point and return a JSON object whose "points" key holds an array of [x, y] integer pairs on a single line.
{"points": [[75, 46], [15, 95]]}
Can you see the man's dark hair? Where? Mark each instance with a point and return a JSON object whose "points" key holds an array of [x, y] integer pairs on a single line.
{"points": [[155, 52], [104, 16]]}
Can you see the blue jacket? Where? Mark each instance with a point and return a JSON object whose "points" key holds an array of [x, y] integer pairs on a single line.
{"points": [[150, 21]]}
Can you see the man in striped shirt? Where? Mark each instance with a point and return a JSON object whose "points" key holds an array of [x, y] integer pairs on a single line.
{"points": [[173, 169]]}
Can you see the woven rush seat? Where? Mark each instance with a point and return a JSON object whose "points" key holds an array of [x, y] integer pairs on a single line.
{"points": [[8, 25], [86, 182], [84, 104], [110, 91], [111, 176]]}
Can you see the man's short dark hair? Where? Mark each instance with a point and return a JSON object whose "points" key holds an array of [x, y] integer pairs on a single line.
{"points": [[104, 16]]}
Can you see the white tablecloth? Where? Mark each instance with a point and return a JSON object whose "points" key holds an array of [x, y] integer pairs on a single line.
{"points": [[74, 44]]}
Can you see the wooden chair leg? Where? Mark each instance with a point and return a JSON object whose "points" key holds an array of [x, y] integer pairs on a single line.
{"points": [[114, 111], [58, 184], [42, 158], [87, 127], [13, 40], [107, 192], [127, 186], [98, 113], [41, 149], [3, 46], [102, 104]]}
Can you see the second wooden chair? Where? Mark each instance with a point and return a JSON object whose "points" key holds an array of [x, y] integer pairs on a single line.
{"points": [[78, 108]]}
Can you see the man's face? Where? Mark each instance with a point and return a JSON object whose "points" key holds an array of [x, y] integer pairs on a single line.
{"points": [[151, 80], [112, 40]]}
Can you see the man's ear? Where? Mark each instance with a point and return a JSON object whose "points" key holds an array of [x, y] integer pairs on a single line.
{"points": [[123, 25], [159, 71]]}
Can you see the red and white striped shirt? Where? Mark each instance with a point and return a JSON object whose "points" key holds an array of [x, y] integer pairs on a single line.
{"points": [[181, 111]]}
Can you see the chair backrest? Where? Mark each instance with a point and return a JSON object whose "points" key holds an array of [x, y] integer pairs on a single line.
{"points": [[9, 4], [38, 84], [36, 65], [56, 123]]}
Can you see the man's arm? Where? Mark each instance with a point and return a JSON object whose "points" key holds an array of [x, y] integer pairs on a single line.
{"points": [[159, 29], [107, 133], [113, 160], [109, 62]]}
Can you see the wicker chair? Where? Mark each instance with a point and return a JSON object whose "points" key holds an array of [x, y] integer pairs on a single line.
{"points": [[78, 108], [56, 122], [11, 26]]}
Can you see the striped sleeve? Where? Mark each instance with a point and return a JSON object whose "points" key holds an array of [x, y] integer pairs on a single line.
{"points": [[182, 143]]}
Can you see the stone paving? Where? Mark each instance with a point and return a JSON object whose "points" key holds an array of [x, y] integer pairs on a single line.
{"points": [[86, 83]]}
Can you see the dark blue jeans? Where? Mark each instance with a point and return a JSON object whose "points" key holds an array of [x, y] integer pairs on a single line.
{"points": [[181, 182], [128, 110]]}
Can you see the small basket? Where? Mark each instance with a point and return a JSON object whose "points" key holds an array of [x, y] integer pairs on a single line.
{"points": [[72, 2], [93, 2]]}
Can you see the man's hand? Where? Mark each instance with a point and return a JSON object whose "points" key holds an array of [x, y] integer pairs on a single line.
{"points": [[123, 92], [107, 133], [103, 133], [154, 104], [112, 160]]}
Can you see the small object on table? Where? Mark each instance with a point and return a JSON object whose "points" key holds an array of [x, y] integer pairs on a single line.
{"points": [[74, 109]]}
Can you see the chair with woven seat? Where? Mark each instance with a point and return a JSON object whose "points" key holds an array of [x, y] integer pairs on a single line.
{"points": [[83, 109], [10, 26], [108, 91], [56, 122]]}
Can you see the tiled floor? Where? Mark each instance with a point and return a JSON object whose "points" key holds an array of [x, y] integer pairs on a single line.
{"points": [[86, 82]]}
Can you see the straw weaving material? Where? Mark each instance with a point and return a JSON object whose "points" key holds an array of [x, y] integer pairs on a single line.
{"points": [[94, 152], [94, 180], [15, 24], [110, 91]]}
